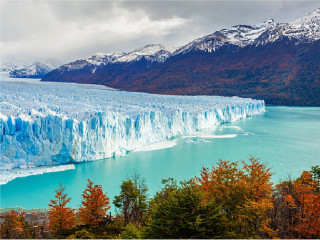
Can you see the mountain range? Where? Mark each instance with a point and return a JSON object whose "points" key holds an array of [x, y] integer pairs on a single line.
{"points": [[35, 70], [277, 62]]}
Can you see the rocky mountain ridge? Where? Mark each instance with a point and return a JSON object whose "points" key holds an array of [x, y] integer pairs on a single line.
{"points": [[278, 62]]}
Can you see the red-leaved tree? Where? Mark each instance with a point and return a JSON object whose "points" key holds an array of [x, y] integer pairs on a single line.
{"points": [[244, 193], [95, 205], [61, 217]]}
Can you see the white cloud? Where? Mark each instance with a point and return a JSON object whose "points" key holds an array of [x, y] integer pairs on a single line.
{"points": [[69, 30], [35, 31]]}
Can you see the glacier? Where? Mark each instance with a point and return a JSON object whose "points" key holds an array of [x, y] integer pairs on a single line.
{"points": [[49, 124]]}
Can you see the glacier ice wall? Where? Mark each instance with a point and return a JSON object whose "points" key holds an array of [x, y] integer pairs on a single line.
{"points": [[43, 124]]}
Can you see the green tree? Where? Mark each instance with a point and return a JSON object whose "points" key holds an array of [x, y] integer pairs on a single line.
{"points": [[131, 231], [315, 171], [169, 185], [114, 228], [179, 212], [82, 234], [132, 200]]}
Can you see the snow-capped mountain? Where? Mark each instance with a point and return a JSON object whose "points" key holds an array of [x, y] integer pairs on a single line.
{"points": [[151, 53], [305, 29], [279, 62], [36, 70], [92, 61], [239, 35]]}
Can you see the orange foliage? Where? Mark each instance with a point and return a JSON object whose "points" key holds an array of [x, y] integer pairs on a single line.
{"points": [[244, 194], [11, 226], [296, 211], [95, 205], [61, 217], [308, 200]]}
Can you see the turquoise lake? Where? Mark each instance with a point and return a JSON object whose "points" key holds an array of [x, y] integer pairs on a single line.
{"points": [[287, 139]]}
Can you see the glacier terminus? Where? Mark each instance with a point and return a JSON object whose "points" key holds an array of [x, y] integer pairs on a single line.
{"points": [[50, 124]]}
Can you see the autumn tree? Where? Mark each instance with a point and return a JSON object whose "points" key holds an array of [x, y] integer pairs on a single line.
{"points": [[95, 205], [14, 225], [132, 200], [244, 195], [296, 211], [61, 217], [10, 226], [303, 204], [24, 228], [308, 200], [284, 211], [258, 194]]}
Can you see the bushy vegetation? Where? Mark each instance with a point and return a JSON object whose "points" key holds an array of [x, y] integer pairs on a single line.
{"points": [[229, 200]]}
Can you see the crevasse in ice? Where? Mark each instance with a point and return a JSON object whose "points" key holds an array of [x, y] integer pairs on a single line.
{"points": [[43, 124]]}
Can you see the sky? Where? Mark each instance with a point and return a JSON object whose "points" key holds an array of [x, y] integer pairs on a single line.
{"points": [[63, 31]]}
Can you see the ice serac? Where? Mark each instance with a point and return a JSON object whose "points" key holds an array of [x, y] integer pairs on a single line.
{"points": [[43, 124]]}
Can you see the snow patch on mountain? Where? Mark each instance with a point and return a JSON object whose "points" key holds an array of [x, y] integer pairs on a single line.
{"points": [[152, 53], [101, 58]]}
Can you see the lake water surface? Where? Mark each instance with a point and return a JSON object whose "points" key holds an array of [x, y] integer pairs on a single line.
{"points": [[287, 139]]}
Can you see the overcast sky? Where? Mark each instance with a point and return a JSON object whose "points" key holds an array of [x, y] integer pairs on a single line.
{"points": [[69, 30]]}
